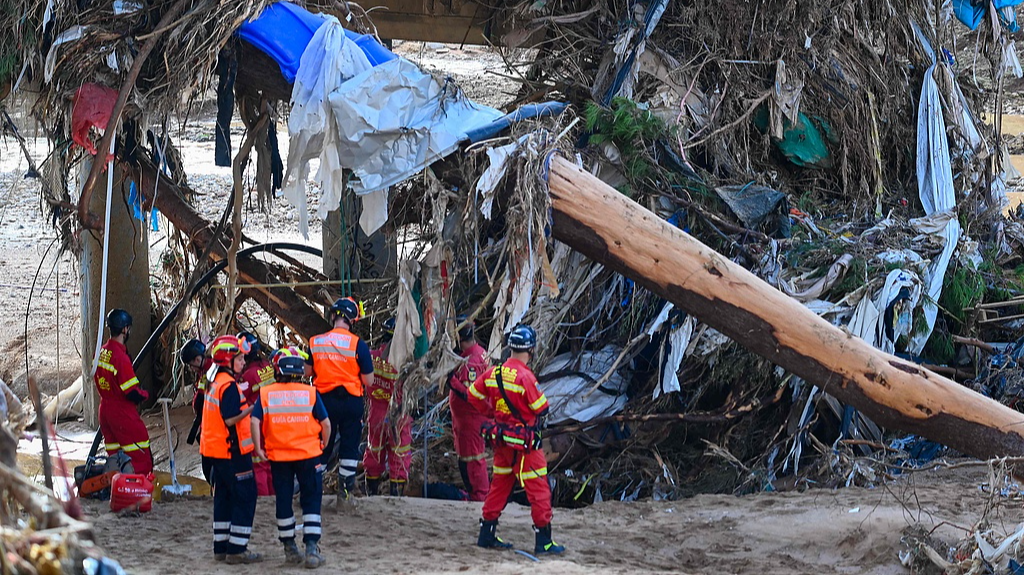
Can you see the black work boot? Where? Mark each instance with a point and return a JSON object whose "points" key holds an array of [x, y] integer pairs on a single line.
{"points": [[372, 486], [488, 536], [247, 557], [545, 545], [291, 552], [397, 488], [313, 557], [346, 492]]}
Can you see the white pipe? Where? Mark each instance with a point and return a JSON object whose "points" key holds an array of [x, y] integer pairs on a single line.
{"points": [[106, 249]]}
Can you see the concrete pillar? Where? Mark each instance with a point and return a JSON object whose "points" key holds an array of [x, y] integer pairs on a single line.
{"points": [[368, 256], [127, 283], [332, 244]]}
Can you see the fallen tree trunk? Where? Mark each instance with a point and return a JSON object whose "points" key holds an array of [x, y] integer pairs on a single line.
{"points": [[281, 303], [601, 223]]}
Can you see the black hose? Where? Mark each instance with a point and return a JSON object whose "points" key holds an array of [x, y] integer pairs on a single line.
{"points": [[169, 317], [205, 279]]}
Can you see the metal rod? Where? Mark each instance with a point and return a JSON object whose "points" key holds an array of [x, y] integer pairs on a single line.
{"points": [[1002, 319]]}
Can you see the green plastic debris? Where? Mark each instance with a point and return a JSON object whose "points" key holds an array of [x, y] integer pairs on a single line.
{"points": [[802, 143]]}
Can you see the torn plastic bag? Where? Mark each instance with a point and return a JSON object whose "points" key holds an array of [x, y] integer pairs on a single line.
{"points": [[869, 320], [92, 106], [806, 290], [802, 142], [751, 203], [678, 341], [566, 385]]}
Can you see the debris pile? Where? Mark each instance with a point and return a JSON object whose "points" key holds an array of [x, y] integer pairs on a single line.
{"points": [[780, 134]]}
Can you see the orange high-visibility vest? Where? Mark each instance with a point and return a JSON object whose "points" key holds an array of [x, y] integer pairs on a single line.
{"points": [[335, 362], [214, 440], [290, 432]]}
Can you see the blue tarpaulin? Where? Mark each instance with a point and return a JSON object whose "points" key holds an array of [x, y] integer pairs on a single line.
{"points": [[527, 112], [971, 12], [283, 30]]}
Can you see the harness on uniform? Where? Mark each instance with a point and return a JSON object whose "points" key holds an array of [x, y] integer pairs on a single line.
{"points": [[520, 437]]}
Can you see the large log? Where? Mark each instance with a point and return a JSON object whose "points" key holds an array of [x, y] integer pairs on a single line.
{"points": [[601, 223], [280, 303]]}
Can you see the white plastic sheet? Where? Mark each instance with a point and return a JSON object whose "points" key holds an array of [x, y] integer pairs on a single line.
{"points": [[935, 187], [488, 182], [407, 317], [329, 59], [678, 342], [72, 34], [395, 119], [569, 395], [868, 320]]}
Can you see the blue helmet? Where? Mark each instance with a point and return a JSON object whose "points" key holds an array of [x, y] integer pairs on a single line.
{"points": [[522, 338], [118, 320], [347, 308], [389, 326], [191, 350], [286, 365]]}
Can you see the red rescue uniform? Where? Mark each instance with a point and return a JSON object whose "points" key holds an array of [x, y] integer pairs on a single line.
{"points": [[466, 424], [255, 376], [120, 424], [386, 444], [529, 466]]}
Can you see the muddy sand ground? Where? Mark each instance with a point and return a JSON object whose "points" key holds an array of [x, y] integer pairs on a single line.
{"points": [[853, 530]]}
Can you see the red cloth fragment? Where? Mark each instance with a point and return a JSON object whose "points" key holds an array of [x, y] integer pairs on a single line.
{"points": [[92, 107]]}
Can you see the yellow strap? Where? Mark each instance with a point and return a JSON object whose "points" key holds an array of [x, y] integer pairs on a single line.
{"points": [[501, 470], [129, 384]]}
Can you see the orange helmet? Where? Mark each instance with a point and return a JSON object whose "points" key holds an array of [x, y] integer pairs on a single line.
{"points": [[225, 348]]}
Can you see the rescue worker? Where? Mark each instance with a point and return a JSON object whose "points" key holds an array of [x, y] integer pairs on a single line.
{"points": [[193, 355], [509, 392], [258, 372], [342, 366], [387, 443], [119, 390], [290, 428], [466, 420], [226, 438]]}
